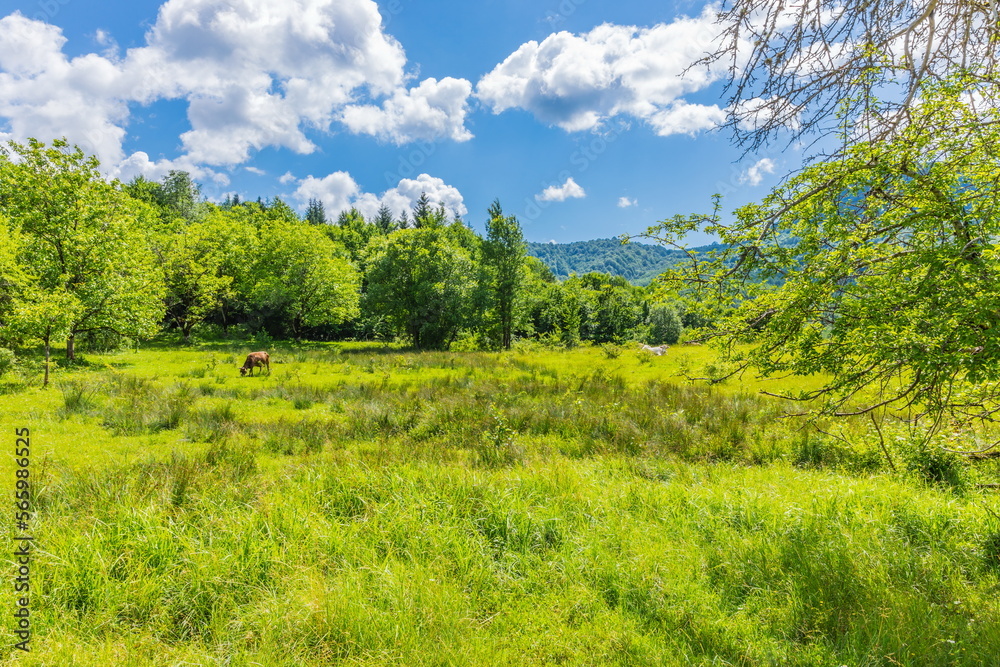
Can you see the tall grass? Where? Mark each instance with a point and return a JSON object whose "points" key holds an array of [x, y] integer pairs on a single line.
{"points": [[484, 509]]}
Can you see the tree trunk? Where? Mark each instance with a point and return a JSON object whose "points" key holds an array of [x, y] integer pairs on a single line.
{"points": [[71, 347]]}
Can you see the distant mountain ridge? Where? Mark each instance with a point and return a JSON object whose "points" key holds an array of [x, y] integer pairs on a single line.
{"points": [[638, 263]]}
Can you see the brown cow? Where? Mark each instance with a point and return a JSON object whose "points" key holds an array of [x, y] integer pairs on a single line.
{"points": [[256, 360]]}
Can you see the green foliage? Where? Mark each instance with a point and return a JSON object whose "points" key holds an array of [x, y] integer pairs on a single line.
{"points": [[503, 254], [421, 281], [639, 263], [195, 261], [425, 215], [90, 261], [614, 309], [878, 270], [498, 448], [933, 464], [664, 324], [594, 307], [383, 220], [315, 212], [177, 197], [8, 361], [304, 277], [13, 277], [353, 232]]}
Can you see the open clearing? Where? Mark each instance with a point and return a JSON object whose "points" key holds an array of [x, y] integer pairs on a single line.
{"points": [[371, 505]]}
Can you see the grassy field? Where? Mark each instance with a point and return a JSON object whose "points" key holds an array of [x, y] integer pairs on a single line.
{"points": [[368, 505]]}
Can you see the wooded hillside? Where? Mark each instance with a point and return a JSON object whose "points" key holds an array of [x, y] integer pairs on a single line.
{"points": [[638, 263]]}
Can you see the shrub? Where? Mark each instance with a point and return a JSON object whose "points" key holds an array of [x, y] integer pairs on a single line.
{"points": [[934, 465], [664, 324], [612, 351], [497, 449], [7, 361]]}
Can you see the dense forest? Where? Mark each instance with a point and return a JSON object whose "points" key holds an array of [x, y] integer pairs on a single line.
{"points": [[94, 263], [639, 263]]}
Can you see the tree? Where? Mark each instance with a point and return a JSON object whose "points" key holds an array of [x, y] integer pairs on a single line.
{"points": [[182, 195], [315, 213], [565, 311], [878, 270], [421, 281], [612, 309], [304, 277], [808, 66], [177, 197], [44, 315], [537, 281], [85, 238], [28, 312], [197, 263], [384, 221], [13, 275], [664, 324], [503, 258], [353, 232], [422, 212]]}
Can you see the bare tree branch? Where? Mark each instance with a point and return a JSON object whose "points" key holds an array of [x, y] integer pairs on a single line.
{"points": [[793, 66]]}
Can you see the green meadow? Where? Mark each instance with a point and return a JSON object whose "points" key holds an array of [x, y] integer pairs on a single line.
{"points": [[368, 504]]}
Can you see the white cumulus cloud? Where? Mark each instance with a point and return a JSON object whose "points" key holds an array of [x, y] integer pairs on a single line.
{"points": [[625, 202], [253, 73], [683, 118], [578, 81], [139, 164], [754, 175], [46, 95], [431, 110], [257, 73], [337, 191], [340, 192], [568, 190]]}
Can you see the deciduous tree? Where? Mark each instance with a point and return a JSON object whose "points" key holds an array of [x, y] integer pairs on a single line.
{"points": [[85, 238], [421, 280], [808, 66], [304, 277], [504, 251], [878, 270]]}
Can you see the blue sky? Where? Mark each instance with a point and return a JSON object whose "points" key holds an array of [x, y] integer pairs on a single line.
{"points": [[573, 113]]}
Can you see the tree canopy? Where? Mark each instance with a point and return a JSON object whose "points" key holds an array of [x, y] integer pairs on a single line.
{"points": [[91, 260], [422, 281], [879, 269], [503, 258], [86, 239]]}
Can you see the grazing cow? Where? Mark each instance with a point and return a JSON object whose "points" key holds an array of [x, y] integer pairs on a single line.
{"points": [[658, 351], [256, 360]]}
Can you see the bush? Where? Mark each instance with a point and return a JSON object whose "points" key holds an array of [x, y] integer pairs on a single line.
{"points": [[664, 325], [498, 448], [7, 361], [934, 465]]}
